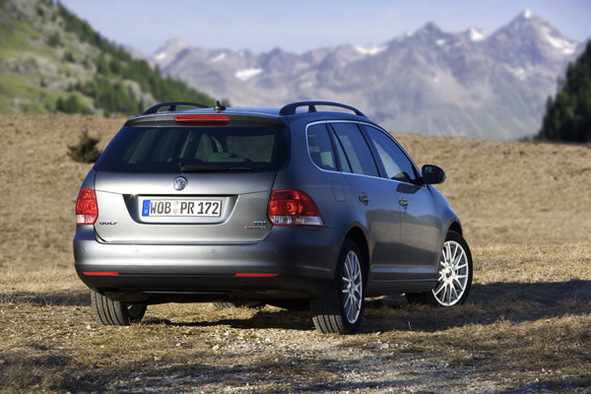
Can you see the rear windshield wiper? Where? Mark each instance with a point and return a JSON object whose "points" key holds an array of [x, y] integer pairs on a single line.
{"points": [[185, 169]]}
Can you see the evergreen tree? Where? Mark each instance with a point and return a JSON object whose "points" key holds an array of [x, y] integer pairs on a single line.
{"points": [[568, 117]]}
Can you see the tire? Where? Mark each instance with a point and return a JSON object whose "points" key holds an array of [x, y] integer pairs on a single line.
{"points": [[340, 309], [116, 313], [454, 275]]}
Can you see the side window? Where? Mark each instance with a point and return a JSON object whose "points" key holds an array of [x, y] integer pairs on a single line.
{"points": [[320, 147], [354, 154], [397, 165]]}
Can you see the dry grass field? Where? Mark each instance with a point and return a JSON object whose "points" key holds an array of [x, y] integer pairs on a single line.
{"points": [[526, 209]]}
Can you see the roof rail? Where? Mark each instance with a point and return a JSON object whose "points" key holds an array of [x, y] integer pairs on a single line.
{"points": [[172, 106], [290, 109]]}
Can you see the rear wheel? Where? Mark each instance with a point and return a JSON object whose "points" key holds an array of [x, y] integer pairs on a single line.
{"points": [[340, 309], [454, 275], [116, 313]]}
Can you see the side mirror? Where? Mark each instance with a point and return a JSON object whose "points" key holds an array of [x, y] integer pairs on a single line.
{"points": [[432, 175]]}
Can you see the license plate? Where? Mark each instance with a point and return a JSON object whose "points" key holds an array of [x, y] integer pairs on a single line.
{"points": [[206, 208]]}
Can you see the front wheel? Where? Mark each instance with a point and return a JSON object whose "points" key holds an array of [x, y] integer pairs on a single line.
{"points": [[116, 313], [339, 310], [454, 275]]}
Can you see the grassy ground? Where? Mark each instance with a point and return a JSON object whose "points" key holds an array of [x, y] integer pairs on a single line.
{"points": [[525, 327]]}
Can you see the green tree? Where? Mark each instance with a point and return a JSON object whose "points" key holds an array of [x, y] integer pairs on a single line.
{"points": [[71, 105], [568, 116]]}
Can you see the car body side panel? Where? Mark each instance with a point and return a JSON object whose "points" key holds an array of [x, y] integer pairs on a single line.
{"points": [[378, 205], [421, 230], [397, 262]]}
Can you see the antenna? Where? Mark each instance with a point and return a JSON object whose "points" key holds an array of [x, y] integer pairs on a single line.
{"points": [[218, 106]]}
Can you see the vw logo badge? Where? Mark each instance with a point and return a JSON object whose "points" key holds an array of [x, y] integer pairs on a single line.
{"points": [[179, 183]]}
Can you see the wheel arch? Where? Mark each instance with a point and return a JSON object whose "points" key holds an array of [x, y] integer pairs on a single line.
{"points": [[356, 235], [457, 227]]}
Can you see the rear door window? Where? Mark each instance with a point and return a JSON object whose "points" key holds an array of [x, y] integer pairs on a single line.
{"points": [[354, 153]]}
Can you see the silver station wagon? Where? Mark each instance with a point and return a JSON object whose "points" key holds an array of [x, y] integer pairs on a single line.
{"points": [[310, 205]]}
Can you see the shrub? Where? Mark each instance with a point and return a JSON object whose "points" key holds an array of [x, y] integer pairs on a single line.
{"points": [[55, 40], [85, 151], [71, 105]]}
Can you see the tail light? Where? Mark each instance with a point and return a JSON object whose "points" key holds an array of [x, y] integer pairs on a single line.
{"points": [[86, 207], [293, 208]]}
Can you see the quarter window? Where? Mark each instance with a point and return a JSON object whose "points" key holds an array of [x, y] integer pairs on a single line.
{"points": [[320, 147]]}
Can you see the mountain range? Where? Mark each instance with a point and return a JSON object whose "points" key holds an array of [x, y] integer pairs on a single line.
{"points": [[431, 82]]}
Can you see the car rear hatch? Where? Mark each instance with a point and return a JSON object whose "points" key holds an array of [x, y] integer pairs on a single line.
{"points": [[203, 179]]}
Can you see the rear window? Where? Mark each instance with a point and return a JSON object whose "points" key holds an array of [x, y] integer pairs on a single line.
{"points": [[164, 149]]}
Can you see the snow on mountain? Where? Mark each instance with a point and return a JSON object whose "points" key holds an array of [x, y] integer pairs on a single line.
{"points": [[245, 75], [527, 14], [475, 34], [371, 49], [219, 57], [470, 83], [567, 47]]}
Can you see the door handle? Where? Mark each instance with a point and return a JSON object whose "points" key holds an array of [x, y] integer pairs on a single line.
{"points": [[403, 203], [363, 198]]}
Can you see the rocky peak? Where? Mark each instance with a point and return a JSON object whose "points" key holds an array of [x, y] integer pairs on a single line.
{"points": [[532, 38], [169, 51]]}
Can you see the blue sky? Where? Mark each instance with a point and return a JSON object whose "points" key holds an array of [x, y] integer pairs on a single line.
{"points": [[297, 26]]}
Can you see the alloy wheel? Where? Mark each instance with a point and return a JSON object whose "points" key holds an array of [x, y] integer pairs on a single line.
{"points": [[454, 274], [352, 287]]}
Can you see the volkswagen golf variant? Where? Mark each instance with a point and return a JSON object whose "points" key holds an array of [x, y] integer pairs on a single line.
{"points": [[312, 205]]}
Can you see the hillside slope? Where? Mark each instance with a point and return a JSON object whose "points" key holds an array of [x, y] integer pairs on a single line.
{"points": [[504, 192], [50, 60]]}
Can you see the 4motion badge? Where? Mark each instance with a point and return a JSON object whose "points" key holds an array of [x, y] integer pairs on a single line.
{"points": [[256, 225]]}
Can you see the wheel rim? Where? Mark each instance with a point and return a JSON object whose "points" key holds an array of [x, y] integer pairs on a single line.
{"points": [[135, 311], [453, 274], [352, 287]]}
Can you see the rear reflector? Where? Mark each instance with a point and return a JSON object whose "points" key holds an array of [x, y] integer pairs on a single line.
{"points": [[86, 207], [101, 273], [201, 120], [293, 208], [252, 275]]}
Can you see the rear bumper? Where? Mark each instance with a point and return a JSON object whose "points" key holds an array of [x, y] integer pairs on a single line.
{"points": [[292, 262]]}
